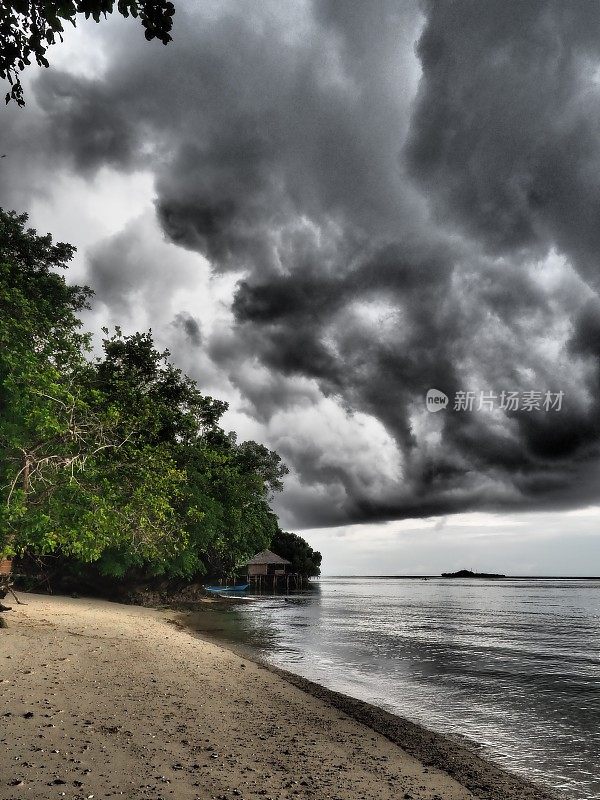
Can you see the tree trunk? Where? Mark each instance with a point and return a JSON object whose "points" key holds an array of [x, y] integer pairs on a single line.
{"points": [[6, 563], [5, 572]]}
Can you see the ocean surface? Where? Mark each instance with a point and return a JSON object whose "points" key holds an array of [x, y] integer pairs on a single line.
{"points": [[512, 665]]}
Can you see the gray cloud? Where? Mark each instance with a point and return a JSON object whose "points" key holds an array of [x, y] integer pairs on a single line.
{"points": [[504, 135], [190, 326], [397, 221]]}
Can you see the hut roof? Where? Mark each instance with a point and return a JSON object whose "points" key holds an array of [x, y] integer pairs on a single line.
{"points": [[266, 557]]}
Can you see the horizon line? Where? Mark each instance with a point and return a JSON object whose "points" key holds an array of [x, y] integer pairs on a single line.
{"points": [[501, 577]]}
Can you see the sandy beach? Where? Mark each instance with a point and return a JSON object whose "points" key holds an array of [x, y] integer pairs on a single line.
{"points": [[105, 700]]}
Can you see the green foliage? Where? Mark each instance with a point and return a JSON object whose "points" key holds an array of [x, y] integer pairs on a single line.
{"points": [[304, 559], [117, 461], [29, 27], [43, 409]]}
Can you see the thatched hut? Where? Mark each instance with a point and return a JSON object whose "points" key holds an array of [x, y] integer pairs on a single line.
{"points": [[267, 568], [267, 563]]}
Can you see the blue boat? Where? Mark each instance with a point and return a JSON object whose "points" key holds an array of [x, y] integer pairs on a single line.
{"points": [[229, 589]]}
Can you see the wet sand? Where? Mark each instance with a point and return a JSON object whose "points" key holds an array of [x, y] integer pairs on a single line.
{"points": [[103, 700]]}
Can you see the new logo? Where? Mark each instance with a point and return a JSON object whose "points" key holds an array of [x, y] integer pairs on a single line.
{"points": [[435, 400]]}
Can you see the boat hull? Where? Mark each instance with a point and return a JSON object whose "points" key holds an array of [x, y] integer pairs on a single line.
{"points": [[229, 589]]}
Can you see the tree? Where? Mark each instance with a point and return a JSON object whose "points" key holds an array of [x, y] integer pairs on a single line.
{"points": [[78, 472], [29, 27], [41, 356], [304, 559], [222, 509], [238, 520], [256, 459]]}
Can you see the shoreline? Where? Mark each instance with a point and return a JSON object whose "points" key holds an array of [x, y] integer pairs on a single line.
{"points": [[482, 777], [108, 700]]}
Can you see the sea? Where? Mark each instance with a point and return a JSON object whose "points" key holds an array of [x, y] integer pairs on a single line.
{"points": [[511, 666]]}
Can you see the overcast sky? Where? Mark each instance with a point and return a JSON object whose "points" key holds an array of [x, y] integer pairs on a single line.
{"points": [[325, 209]]}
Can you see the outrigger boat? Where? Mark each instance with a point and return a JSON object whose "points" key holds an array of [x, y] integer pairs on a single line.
{"points": [[229, 589]]}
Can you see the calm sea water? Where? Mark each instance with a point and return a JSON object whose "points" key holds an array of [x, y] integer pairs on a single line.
{"points": [[512, 665]]}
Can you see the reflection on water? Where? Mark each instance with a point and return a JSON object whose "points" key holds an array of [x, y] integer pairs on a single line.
{"points": [[511, 665]]}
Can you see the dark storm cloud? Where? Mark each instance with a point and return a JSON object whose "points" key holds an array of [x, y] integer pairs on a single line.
{"points": [[504, 137], [304, 326], [385, 229], [86, 125], [116, 269]]}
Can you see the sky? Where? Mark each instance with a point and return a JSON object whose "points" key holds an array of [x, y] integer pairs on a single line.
{"points": [[327, 209]]}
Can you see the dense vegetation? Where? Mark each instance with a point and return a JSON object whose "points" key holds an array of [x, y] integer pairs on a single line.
{"points": [[119, 460], [305, 560]]}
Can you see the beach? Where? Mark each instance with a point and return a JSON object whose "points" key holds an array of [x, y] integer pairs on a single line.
{"points": [[106, 700]]}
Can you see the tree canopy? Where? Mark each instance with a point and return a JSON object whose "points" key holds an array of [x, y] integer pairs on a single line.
{"points": [[304, 559], [29, 27], [117, 460]]}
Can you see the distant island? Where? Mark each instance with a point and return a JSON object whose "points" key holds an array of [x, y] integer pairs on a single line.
{"points": [[466, 573]]}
